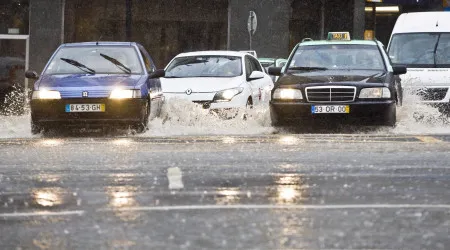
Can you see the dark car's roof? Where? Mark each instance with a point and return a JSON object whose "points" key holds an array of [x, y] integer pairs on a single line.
{"points": [[99, 44]]}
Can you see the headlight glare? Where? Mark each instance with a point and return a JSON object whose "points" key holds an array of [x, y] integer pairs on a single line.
{"points": [[125, 94], [375, 93], [46, 94], [287, 94], [227, 95]]}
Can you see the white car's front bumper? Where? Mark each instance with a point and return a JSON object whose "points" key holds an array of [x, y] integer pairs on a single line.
{"points": [[239, 101]]}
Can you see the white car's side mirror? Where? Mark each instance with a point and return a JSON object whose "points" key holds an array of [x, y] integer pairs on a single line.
{"points": [[256, 75]]}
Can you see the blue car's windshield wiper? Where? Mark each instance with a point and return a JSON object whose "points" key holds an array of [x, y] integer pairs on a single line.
{"points": [[79, 65], [117, 63], [307, 68]]}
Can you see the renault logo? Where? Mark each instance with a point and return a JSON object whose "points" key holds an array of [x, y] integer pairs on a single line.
{"points": [[188, 91], [85, 94]]}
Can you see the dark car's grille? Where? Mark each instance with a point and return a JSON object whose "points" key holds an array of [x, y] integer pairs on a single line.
{"points": [[432, 94], [330, 94]]}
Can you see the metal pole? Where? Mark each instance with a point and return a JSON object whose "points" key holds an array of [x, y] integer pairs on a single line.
{"points": [[322, 20], [27, 66], [229, 26], [251, 28], [374, 19], [128, 19]]}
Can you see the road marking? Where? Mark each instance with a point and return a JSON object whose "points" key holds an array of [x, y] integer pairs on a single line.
{"points": [[175, 178], [269, 206], [429, 139], [42, 214]]}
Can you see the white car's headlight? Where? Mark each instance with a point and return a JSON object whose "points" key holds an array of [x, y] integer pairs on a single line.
{"points": [[125, 94], [287, 94], [375, 93], [46, 94], [227, 94]]}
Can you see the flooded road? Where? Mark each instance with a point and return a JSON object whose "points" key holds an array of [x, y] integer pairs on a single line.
{"points": [[279, 191]]}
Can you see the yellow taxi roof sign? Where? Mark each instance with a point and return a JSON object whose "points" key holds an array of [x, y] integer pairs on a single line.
{"points": [[340, 36]]}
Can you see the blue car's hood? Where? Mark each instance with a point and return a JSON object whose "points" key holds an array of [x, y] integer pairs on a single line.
{"points": [[71, 86]]}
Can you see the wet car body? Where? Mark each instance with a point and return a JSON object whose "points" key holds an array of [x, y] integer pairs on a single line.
{"points": [[86, 98], [329, 88], [208, 86]]}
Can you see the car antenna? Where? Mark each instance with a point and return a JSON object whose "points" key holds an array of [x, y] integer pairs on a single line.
{"points": [[100, 38]]}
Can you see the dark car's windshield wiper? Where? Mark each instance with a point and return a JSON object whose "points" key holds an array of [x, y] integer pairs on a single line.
{"points": [[79, 65], [307, 68], [117, 63]]}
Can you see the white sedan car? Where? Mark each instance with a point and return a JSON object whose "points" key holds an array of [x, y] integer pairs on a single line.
{"points": [[217, 79]]}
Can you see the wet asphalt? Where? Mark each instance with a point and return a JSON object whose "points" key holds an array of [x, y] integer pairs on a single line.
{"points": [[281, 191]]}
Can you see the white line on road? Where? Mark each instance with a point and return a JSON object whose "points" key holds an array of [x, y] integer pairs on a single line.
{"points": [[268, 206], [232, 207], [42, 214], [175, 178]]}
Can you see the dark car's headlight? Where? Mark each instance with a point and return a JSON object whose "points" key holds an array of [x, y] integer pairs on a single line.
{"points": [[287, 94], [227, 94], [46, 94], [125, 94], [375, 93]]}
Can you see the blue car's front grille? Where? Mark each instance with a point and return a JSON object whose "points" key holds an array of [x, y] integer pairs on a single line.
{"points": [[79, 93]]}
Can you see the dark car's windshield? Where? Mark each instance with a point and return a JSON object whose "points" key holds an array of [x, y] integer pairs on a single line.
{"points": [[205, 66], [421, 49], [95, 59], [337, 56]]}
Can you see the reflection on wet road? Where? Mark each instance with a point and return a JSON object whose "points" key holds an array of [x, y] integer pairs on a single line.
{"points": [[226, 192]]}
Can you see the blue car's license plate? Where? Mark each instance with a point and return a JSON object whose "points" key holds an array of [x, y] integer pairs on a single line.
{"points": [[85, 108]]}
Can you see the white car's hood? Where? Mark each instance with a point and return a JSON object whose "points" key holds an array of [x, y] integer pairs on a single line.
{"points": [[199, 84], [426, 77]]}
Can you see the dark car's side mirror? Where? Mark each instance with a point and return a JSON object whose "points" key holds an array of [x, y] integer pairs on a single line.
{"points": [[275, 71], [157, 74], [399, 70], [31, 74]]}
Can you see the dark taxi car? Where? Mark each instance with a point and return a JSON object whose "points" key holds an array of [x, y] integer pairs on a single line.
{"points": [[352, 81], [96, 84]]}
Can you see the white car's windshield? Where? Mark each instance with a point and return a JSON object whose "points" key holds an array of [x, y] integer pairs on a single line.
{"points": [[205, 66], [338, 56], [95, 60], [421, 49]]}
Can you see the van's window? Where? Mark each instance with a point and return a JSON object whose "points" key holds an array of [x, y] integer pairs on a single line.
{"points": [[421, 49]]}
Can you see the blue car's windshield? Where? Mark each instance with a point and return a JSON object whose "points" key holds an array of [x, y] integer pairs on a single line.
{"points": [[97, 59]]}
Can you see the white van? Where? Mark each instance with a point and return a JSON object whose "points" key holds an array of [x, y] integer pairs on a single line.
{"points": [[421, 42]]}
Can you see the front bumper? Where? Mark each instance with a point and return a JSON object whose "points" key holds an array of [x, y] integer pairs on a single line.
{"points": [[367, 111], [125, 111], [206, 100]]}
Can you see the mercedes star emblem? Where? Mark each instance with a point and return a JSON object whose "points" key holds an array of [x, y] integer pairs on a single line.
{"points": [[188, 91]]}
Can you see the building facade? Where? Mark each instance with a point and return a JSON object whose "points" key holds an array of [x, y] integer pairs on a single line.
{"points": [[169, 27]]}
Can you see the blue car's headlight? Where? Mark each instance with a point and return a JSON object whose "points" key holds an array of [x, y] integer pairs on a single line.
{"points": [[125, 94], [46, 94]]}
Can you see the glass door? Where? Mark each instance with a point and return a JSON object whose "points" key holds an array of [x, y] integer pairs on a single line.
{"points": [[13, 64]]}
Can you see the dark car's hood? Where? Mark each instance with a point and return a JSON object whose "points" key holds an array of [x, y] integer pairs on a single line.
{"points": [[91, 81], [333, 76]]}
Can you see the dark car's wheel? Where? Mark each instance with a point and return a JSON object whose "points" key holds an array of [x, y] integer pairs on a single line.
{"points": [[35, 129], [390, 118], [275, 118], [142, 126]]}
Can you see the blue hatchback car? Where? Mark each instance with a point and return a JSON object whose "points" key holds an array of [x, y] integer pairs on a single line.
{"points": [[100, 84]]}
